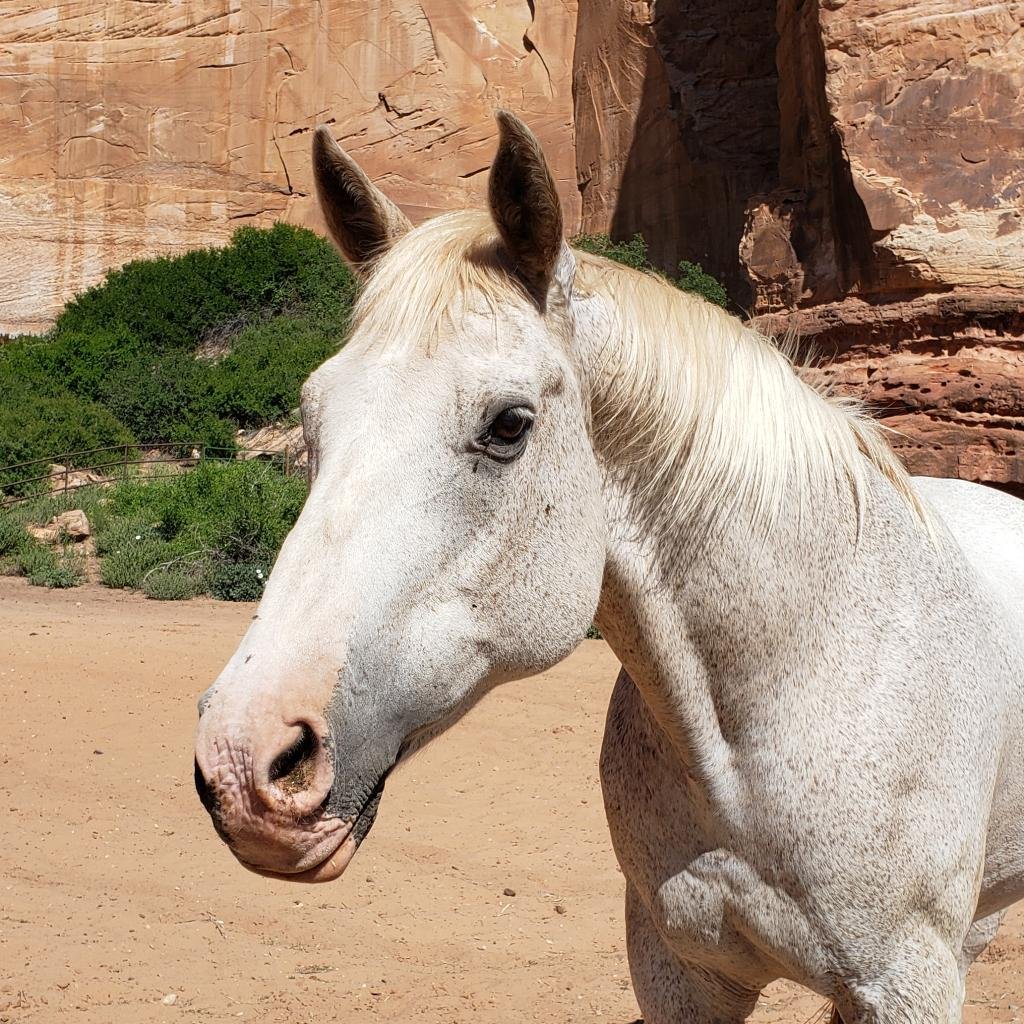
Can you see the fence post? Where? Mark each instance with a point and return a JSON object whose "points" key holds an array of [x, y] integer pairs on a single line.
{"points": [[287, 461], [124, 468], [65, 474]]}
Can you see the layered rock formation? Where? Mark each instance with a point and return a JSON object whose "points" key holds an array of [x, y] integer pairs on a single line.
{"points": [[854, 171], [129, 129], [851, 169]]}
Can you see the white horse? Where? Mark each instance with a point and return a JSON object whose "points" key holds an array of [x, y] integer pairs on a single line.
{"points": [[813, 765]]}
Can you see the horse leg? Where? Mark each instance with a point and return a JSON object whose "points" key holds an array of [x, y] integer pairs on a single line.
{"points": [[980, 934], [922, 984], [669, 990]]}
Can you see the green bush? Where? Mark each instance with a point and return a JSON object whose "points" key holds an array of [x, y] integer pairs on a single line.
{"points": [[130, 549], [127, 361], [239, 581], [12, 533], [693, 279], [175, 583], [167, 397], [633, 253], [219, 526], [46, 567], [177, 302], [260, 380], [32, 426]]}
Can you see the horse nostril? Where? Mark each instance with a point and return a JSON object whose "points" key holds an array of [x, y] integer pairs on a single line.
{"points": [[294, 769], [206, 797]]}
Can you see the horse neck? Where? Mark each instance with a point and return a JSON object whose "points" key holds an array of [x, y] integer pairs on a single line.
{"points": [[701, 607]]}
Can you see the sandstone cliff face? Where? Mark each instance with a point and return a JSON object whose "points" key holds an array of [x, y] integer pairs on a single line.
{"points": [[854, 170], [129, 129]]}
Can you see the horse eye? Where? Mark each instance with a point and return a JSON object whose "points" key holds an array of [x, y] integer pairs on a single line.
{"points": [[504, 438], [509, 426]]}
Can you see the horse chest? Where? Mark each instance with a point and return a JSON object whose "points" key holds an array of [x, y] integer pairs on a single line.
{"points": [[710, 903]]}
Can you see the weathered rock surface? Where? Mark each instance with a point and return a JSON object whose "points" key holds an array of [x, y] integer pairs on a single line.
{"points": [[853, 170], [129, 129], [72, 526], [285, 439]]}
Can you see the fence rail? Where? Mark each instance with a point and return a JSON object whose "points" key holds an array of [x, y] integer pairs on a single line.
{"points": [[73, 464]]}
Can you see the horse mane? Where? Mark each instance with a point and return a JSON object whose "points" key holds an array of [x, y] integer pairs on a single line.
{"points": [[703, 412]]}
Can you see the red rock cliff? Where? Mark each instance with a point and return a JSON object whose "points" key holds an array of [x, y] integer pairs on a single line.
{"points": [[129, 129], [852, 169]]}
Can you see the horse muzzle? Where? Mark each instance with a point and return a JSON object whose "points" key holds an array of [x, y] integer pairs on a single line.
{"points": [[269, 796]]}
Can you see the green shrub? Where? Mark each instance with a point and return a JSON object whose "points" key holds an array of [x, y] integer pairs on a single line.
{"points": [[12, 533], [129, 549], [238, 581], [693, 279], [220, 526], [260, 380], [34, 426], [633, 253], [166, 397], [120, 365], [175, 583], [28, 368], [177, 302], [46, 567]]}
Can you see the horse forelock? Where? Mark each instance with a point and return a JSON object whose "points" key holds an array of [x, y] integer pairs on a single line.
{"points": [[418, 288]]}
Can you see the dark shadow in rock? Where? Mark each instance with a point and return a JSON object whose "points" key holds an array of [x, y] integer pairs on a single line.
{"points": [[707, 135]]}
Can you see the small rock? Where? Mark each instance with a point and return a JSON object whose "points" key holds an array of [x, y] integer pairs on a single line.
{"points": [[74, 524], [559, 909], [170, 999], [509, 892]]}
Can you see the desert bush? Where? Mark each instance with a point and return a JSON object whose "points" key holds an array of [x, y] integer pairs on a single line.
{"points": [[238, 581], [260, 380], [167, 397], [11, 532], [13, 539], [120, 365], [34, 426], [220, 526], [129, 549], [631, 254], [46, 567], [176, 302], [177, 582], [691, 276]]}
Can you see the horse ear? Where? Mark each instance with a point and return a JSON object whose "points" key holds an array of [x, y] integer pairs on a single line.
{"points": [[361, 219], [524, 204]]}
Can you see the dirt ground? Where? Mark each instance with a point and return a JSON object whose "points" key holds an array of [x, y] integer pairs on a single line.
{"points": [[118, 904]]}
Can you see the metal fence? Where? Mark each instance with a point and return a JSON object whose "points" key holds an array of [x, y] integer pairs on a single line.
{"points": [[112, 465]]}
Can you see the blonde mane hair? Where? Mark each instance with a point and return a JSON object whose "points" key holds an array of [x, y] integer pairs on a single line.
{"points": [[700, 410]]}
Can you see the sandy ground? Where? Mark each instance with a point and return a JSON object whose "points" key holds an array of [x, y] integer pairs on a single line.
{"points": [[116, 894]]}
